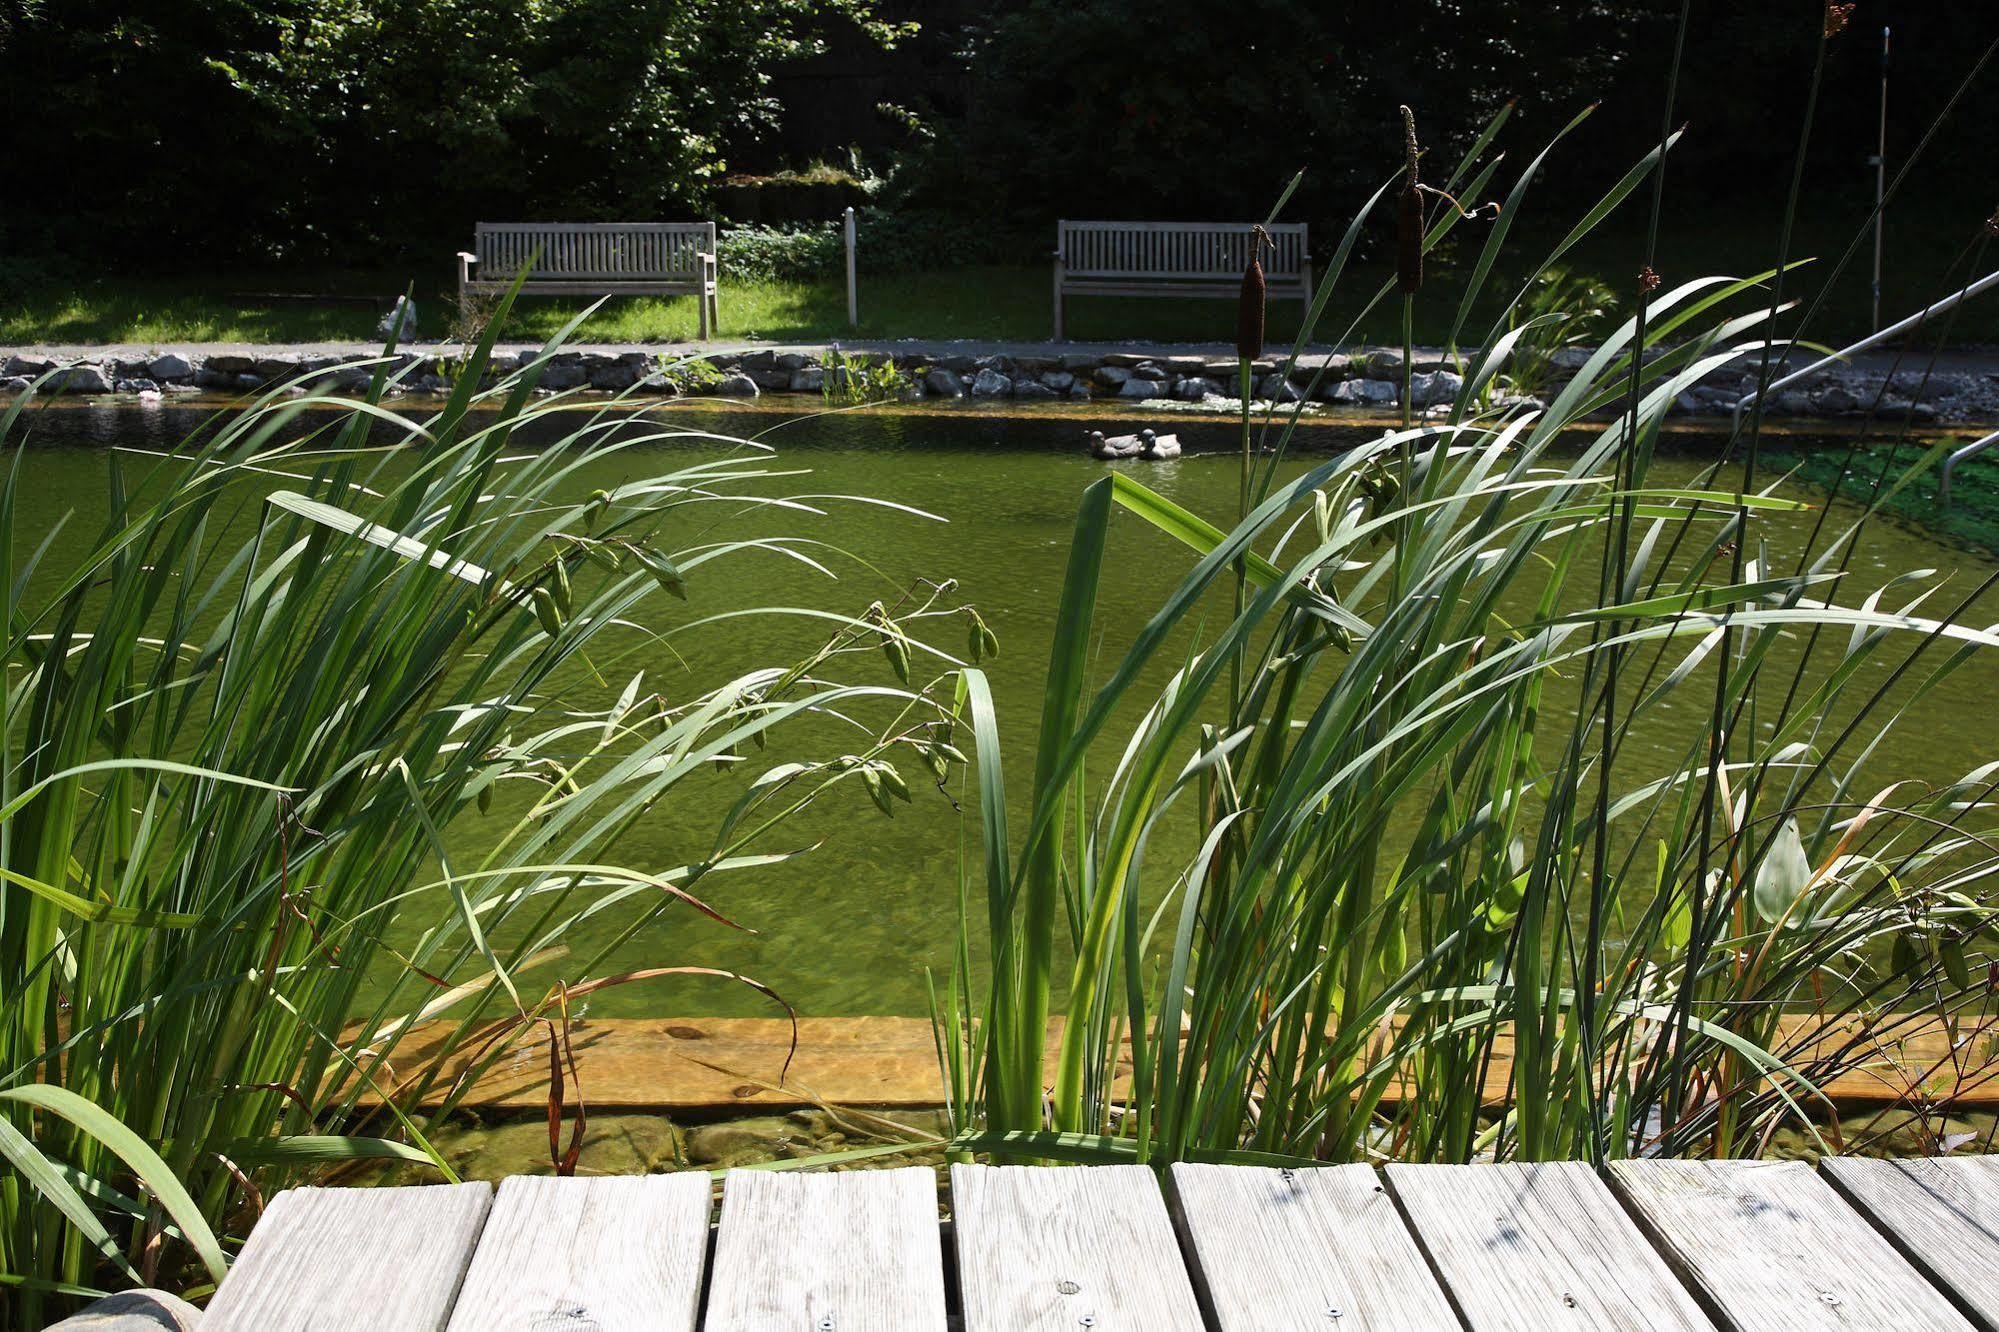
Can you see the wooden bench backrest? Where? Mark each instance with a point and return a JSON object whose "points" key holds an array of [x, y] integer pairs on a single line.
{"points": [[1197, 250], [609, 250]]}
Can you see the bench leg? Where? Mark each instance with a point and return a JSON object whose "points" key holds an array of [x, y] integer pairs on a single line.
{"points": [[1056, 336], [702, 301]]}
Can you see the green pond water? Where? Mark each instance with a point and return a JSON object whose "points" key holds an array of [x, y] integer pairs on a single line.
{"points": [[851, 927]]}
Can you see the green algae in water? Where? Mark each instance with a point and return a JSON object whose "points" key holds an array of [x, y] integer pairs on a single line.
{"points": [[1971, 518]]}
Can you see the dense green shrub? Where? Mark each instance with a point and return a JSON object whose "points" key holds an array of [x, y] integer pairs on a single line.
{"points": [[795, 253], [899, 242], [914, 238]]}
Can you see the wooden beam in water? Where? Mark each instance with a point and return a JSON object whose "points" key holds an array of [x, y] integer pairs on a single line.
{"points": [[716, 1064]]}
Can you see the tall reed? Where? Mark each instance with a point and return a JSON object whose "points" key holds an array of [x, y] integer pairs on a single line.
{"points": [[242, 732], [1430, 859]]}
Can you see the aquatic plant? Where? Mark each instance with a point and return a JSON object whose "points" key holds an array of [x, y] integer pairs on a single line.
{"points": [[1440, 909], [242, 733], [1562, 310], [852, 380]]}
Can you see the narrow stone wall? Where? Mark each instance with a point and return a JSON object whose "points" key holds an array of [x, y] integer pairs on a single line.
{"points": [[1160, 380]]}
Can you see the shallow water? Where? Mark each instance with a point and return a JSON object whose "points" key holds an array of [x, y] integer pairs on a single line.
{"points": [[851, 927]]}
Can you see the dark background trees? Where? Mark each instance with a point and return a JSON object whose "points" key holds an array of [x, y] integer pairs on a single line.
{"points": [[298, 130], [303, 128]]}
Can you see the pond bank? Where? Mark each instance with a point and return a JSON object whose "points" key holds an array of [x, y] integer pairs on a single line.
{"points": [[1954, 387]]}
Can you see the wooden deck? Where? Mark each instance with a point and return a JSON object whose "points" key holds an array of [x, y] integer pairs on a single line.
{"points": [[1644, 1245]]}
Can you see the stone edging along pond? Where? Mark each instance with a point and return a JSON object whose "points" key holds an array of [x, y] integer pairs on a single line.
{"points": [[1154, 378]]}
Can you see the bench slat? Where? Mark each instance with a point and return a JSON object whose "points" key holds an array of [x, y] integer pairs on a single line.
{"points": [[1212, 250], [1175, 286], [1197, 259], [605, 287], [597, 259], [605, 251], [1942, 1214], [854, 1251], [1348, 1261], [1772, 1246], [334, 1260], [614, 1254], [1523, 1248], [1043, 1247]]}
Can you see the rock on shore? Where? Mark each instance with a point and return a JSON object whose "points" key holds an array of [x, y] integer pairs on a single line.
{"points": [[1364, 381]]}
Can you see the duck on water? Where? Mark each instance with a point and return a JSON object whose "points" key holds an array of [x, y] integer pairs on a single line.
{"points": [[1144, 445]]}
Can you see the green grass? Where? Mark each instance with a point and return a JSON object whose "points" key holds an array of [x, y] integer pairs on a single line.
{"points": [[992, 303], [1000, 302]]}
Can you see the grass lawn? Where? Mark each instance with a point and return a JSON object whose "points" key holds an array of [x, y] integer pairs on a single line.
{"points": [[1009, 303]]}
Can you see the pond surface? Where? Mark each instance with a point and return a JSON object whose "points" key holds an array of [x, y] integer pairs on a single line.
{"points": [[851, 927]]}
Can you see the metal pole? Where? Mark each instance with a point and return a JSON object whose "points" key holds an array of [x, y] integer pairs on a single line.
{"points": [[1880, 179], [1968, 451], [853, 288]]}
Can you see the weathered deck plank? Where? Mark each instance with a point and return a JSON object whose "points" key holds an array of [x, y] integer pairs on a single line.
{"points": [[620, 1254], [1942, 1214], [1770, 1245], [1523, 1248], [854, 1251], [1044, 1247], [1303, 1248], [337, 1260]]}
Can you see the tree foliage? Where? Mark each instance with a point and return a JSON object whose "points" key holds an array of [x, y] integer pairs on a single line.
{"points": [[298, 125], [1124, 108]]}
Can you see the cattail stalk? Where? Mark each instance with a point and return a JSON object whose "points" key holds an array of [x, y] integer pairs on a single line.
{"points": [[1250, 307], [1409, 255], [1251, 301], [1409, 213]]}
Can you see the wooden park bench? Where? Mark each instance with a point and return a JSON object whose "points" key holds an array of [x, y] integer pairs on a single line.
{"points": [[1667, 1245], [1175, 259], [596, 259]]}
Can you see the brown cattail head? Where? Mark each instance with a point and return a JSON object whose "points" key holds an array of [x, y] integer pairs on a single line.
{"points": [[1409, 214], [1992, 223], [1648, 281], [1836, 15], [1250, 303]]}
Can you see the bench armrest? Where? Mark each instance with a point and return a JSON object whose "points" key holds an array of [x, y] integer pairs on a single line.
{"points": [[468, 256]]}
